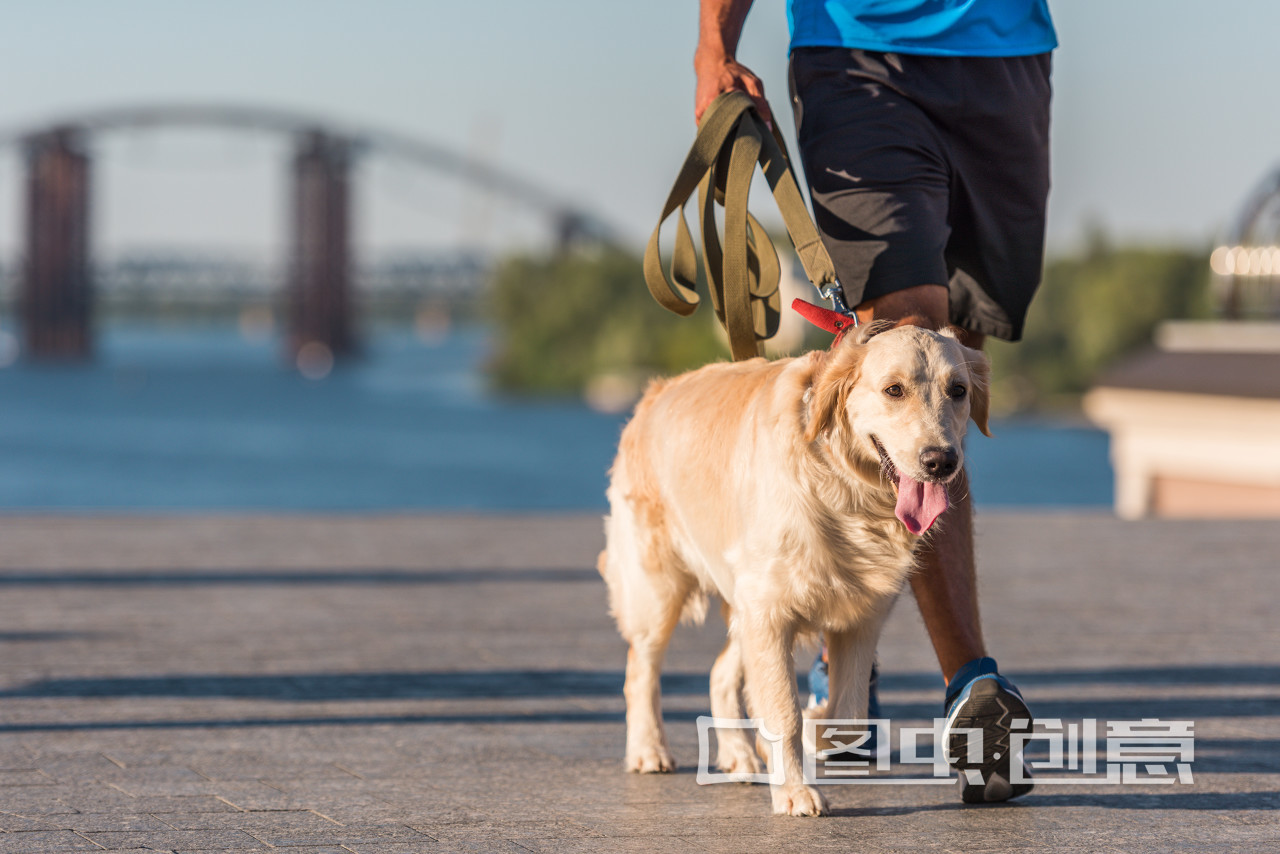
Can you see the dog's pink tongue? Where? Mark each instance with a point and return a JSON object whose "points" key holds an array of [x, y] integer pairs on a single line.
{"points": [[920, 504]]}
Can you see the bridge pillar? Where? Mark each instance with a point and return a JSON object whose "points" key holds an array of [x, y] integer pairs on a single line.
{"points": [[570, 231], [56, 287], [321, 322]]}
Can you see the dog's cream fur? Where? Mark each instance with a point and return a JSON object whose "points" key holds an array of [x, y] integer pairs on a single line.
{"points": [[760, 482]]}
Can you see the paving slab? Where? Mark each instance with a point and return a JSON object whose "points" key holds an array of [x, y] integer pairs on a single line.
{"points": [[453, 683]]}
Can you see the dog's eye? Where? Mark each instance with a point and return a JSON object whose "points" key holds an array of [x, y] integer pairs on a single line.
{"points": [[957, 391], [894, 390]]}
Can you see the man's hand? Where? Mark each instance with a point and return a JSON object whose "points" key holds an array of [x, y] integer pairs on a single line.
{"points": [[719, 26], [725, 74]]}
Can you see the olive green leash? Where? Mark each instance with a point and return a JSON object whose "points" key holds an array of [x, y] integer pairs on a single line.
{"points": [[742, 270]]}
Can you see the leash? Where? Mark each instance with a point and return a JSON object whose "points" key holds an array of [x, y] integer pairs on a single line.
{"points": [[742, 270]]}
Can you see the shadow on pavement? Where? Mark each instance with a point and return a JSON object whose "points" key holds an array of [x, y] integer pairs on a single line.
{"points": [[1235, 755], [1185, 798], [258, 578], [567, 682], [1114, 799], [426, 685]]}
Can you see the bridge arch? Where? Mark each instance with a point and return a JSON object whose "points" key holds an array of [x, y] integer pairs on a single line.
{"points": [[56, 289]]}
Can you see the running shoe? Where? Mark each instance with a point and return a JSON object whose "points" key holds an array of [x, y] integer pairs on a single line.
{"points": [[979, 698]]}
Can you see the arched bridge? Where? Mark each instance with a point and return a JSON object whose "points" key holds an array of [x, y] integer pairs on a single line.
{"points": [[56, 288]]}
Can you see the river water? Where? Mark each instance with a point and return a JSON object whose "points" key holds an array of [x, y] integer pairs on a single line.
{"points": [[196, 418]]}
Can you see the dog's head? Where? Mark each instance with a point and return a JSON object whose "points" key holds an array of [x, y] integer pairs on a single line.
{"points": [[893, 404]]}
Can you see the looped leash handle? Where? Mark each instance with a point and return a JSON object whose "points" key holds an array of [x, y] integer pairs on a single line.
{"points": [[742, 271]]}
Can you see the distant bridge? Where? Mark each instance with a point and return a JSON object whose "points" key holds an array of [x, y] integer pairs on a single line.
{"points": [[1246, 265], [55, 290]]}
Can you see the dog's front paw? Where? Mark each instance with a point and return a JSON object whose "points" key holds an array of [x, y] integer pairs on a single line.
{"points": [[650, 760], [799, 800]]}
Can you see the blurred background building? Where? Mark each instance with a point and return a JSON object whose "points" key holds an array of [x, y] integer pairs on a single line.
{"points": [[1195, 423]]}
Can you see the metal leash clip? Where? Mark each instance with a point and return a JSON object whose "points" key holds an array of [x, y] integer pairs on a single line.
{"points": [[835, 293]]}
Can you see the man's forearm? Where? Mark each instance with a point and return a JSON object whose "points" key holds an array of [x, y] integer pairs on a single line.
{"points": [[719, 28], [715, 62]]}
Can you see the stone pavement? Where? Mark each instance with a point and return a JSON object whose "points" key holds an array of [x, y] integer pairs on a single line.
{"points": [[424, 684]]}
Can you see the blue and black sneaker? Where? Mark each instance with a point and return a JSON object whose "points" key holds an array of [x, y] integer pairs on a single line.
{"points": [[819, 690], [819, 686], [979, 698]]}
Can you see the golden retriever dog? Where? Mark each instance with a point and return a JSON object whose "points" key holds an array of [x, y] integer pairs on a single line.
{"points": [[797, 491]]}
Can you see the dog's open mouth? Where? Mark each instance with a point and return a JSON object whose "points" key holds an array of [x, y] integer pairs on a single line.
{"points": [[920, 503]]}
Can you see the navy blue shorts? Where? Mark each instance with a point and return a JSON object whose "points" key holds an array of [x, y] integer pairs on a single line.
{"points": [[929, 170]]}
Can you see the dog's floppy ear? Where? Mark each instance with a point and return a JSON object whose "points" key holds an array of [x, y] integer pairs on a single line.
{"points": [[833, 378], [979, 388]]}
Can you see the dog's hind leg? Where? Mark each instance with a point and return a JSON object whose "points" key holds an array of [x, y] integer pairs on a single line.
{"points": [[735, 754], [647, 750], [850, 655], [648, 589]]}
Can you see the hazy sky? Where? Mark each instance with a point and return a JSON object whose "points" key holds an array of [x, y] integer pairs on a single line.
{"points": [[1164, 117]]}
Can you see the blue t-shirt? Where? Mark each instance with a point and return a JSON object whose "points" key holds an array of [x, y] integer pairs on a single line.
{"points": [[938, 27]]}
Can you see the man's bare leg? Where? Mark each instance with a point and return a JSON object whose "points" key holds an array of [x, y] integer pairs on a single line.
{"points": [[946, 590], [945, 586]]}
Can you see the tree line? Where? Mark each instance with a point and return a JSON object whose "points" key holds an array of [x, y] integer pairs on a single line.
{"points": [[564, 321]]}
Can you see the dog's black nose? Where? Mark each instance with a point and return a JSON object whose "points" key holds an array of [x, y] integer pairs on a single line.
{"points": [[939, 462]]}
